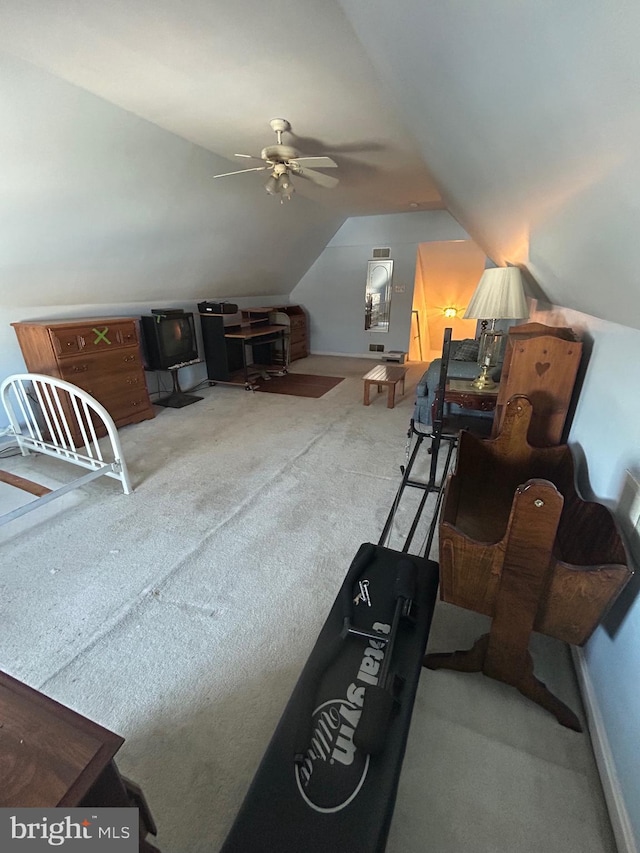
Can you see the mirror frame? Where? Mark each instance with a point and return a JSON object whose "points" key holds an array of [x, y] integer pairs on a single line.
{"points": [[376, 320]]}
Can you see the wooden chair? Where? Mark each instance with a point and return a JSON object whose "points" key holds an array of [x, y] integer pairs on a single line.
{"points": [[519, 544], [445, 429]]}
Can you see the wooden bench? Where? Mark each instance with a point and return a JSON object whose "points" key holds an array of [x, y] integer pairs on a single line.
{"points": [[384, 374]]}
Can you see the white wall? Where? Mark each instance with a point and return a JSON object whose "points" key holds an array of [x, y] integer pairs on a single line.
{"points": [[100, 207], [332, 290], [606, 431]]}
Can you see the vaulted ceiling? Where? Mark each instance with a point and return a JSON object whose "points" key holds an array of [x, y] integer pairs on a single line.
{"points": [[521, 118], [215, 73]]}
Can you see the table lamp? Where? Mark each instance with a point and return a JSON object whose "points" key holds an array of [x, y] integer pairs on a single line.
{"points": [[499, 295]]}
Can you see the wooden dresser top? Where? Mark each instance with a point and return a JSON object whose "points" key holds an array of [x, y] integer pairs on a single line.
{"points": [[49, 754]]}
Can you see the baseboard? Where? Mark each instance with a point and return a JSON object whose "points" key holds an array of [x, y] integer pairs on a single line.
{"points": [[622, 829], [376, 356]]}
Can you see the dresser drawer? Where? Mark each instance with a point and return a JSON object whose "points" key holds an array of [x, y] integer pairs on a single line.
{"points": [[124, 405], [120, 399], [125, 408], [66, 342], [108, 389], [91, 371], [116, 379], [100, 337]]}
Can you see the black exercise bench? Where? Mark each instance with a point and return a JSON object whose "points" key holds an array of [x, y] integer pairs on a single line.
{"points": [[328, 780]]}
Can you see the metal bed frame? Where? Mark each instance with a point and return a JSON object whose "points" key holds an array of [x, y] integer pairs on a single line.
{"points": [[39, 409]]}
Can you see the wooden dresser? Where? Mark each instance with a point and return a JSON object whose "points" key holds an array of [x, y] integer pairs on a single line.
{"points": [[53, 757], [101, 355]]}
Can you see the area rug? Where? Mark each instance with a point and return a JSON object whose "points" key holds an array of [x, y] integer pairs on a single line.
{"points": [[299, 384]]}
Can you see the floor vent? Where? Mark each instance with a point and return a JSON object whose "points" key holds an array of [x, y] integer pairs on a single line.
{"points": [[381, 253], [376, 347]]}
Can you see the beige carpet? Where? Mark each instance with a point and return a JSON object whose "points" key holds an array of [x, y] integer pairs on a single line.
{"points": [[180, 617]]}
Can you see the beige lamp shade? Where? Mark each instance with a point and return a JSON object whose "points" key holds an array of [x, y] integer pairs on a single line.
{"points": [[499, 295]]}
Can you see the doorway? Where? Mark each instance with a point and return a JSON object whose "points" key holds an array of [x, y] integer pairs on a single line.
{"points": [[447, 273]]}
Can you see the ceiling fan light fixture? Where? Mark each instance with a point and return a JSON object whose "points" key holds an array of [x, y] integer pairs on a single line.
{"points": [[284, 182], [285, 187], [272, 185], [283, 161]]}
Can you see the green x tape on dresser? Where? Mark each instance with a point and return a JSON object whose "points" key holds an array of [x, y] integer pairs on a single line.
{"points": [[101, 335]]}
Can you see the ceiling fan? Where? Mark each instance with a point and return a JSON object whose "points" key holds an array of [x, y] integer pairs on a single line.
{"points": [[283, 161]]}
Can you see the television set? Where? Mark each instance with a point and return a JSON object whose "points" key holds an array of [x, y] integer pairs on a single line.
{"points": [[169, 340]]}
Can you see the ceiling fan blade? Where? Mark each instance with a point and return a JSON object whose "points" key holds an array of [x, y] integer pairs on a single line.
{"points": [[240, 171], [315, 162], [318, 178], [248, 157]]}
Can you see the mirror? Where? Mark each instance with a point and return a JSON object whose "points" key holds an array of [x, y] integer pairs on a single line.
{"points": [[377, 298]]}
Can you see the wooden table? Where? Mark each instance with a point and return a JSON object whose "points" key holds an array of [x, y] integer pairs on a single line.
{"points": [[384, 374], [462, 392], [51, 756]]}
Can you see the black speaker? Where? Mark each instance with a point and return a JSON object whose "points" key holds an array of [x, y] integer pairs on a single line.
{"points": [[217, 308]]}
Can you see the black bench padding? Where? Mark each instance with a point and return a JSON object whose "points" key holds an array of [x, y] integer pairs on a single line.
{"points": [[339, 800]]}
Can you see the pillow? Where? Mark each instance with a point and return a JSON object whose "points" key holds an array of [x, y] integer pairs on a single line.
{"points": [[467, 350]]}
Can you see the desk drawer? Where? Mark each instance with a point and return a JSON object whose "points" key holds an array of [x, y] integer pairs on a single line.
{"points": [[298, 350], [298, 322]]}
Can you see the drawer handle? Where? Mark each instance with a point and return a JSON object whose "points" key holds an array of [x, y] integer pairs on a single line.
{"points": [[133, 381], [78, 368], [129, 358]]}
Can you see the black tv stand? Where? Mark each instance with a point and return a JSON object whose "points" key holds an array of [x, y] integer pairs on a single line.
{"points": [[177, 399]]}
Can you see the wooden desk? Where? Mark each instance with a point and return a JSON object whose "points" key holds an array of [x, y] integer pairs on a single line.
{"points": [[387, 375], [51, 756], [258, 336], [228, 337], [248, 333]]}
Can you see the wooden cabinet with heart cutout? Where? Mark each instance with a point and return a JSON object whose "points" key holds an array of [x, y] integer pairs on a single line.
{"points": [[542, 363]]}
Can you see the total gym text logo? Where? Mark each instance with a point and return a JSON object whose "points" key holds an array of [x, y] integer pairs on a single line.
{"points": [[75, 829], [333, 770]]}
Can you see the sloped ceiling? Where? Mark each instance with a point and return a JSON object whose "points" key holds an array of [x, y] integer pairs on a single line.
{"points": [[215, 73], [520, 117], [527, 113]]}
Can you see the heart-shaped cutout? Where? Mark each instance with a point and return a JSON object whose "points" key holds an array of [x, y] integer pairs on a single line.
{"points": [[542, 367]]}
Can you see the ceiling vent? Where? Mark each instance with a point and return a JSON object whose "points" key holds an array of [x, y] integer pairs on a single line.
{"points": [[381, 253]]}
